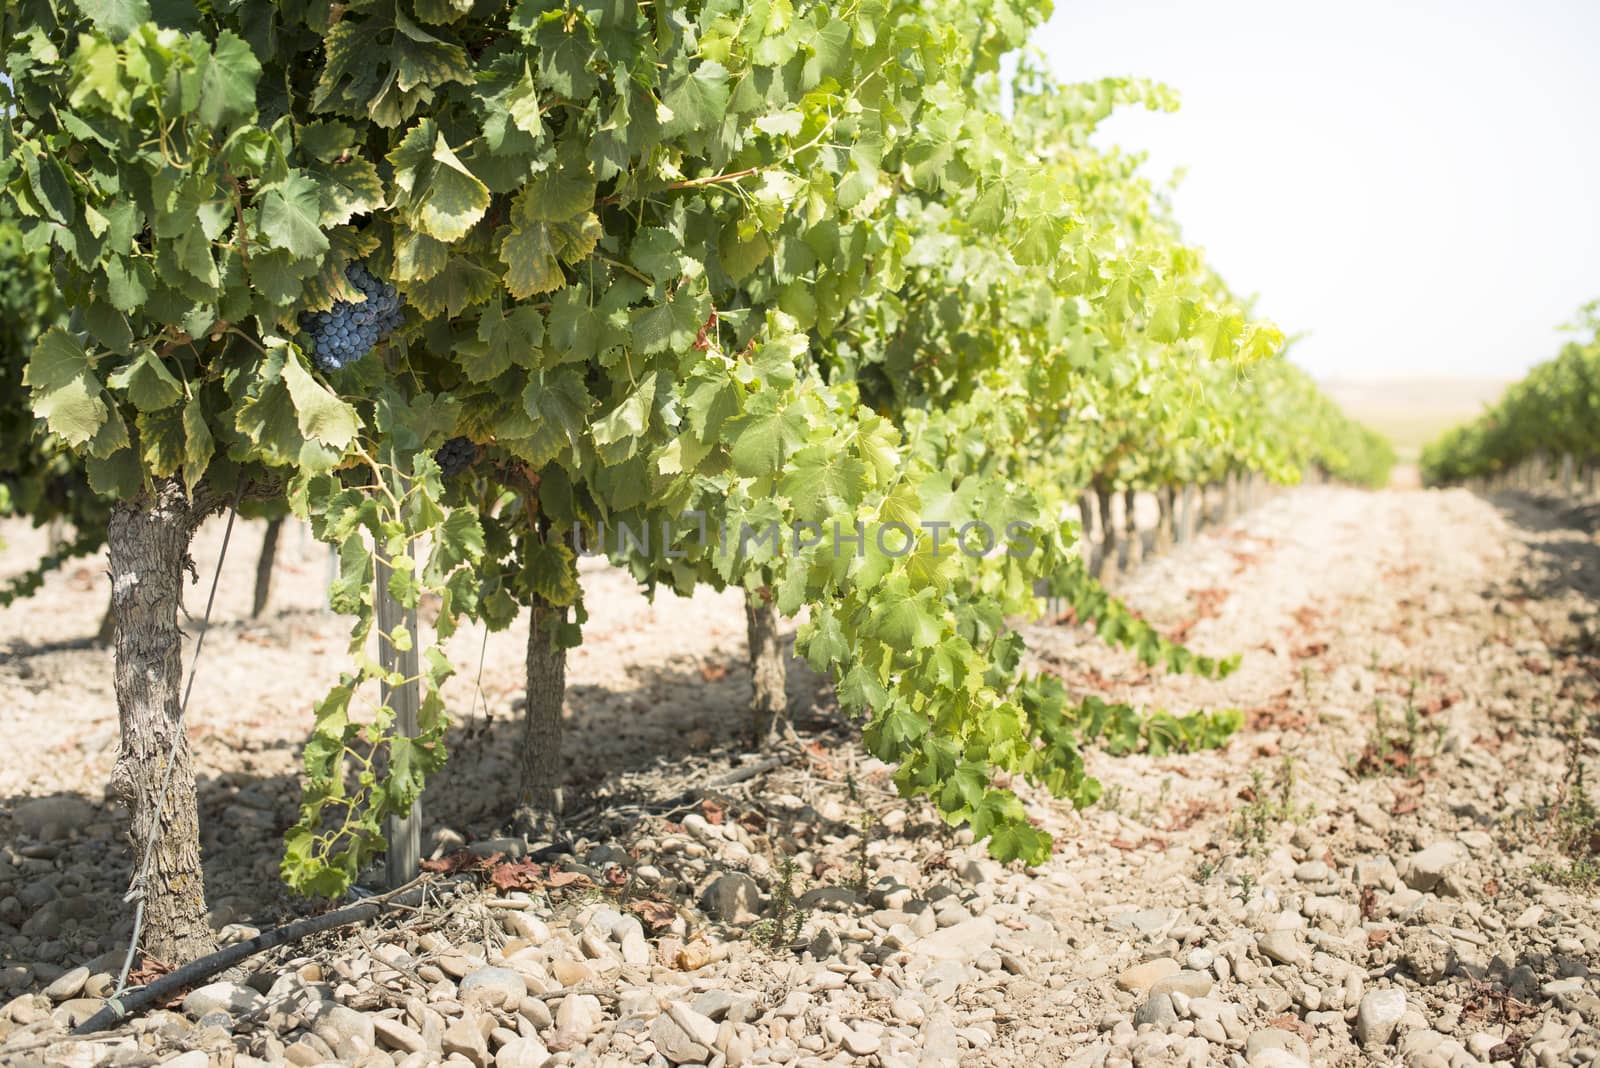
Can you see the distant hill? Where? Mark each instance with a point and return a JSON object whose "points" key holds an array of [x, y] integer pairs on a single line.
{"points": [[1413, 411]]}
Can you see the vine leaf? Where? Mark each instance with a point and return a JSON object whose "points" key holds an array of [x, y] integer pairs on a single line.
{"points": [[66, 394], [290, 216], [227, 80], [321, 416], [116, 18]]}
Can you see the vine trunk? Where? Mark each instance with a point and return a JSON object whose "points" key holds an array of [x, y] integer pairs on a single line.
{"points": [[264, 565], [770, 702], [1166, 503], [1106, 565], [540, 799], [1130, 526], [148, 539]]}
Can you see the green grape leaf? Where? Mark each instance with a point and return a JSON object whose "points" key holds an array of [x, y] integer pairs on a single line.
{"points": [[65, 392], [147, 382], [227, 91], [320, 415], [290, 217]]}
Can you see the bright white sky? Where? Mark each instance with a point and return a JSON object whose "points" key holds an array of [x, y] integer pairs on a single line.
{"points": [[1416, 185]]}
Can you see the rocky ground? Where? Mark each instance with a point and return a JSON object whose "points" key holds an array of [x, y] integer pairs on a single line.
{"points": [[1373, 871]]}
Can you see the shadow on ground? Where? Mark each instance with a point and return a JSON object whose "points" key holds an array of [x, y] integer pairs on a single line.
{"points": [[65, 862]]}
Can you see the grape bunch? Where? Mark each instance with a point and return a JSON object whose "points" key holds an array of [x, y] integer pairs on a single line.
{"points": [[347, 331], [455, 456]]}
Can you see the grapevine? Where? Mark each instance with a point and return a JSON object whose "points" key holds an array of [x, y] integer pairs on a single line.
{"points": [[1545, 422], [787, 268]]}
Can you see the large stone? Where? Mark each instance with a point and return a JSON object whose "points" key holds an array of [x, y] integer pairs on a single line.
{"points": [[859, 1043], [714, 1004], [523, 925], [697, 1026], [1427, 957], [1376, 872], [69, 984], [962, 942], [344, 1029], [1142, 977], [230, 998], [1276, 1058], [1157, 1011], [1272, 1044], [1145, 921], [634, 946], [195, 1058], [51, 818], [732, 897], [1378, 1015], [500, 987], [392, 1034], [1189, 984], [676, 1044], [522, 1053], [1424, 870], [570, 972], [1283, 947], [576, 1019], [464, 1038], [1312, 871], [828, 899]]}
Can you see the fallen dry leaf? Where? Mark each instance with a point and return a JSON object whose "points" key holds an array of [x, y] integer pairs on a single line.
{"points": [[654, 914]]}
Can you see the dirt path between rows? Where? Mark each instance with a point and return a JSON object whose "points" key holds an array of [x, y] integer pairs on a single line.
{"points": [[1370, 872]]}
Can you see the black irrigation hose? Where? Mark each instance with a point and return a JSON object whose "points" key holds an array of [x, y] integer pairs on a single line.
{"points": [[117, 1010]]}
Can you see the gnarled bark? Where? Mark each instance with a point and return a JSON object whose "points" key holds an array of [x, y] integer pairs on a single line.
{"points": [[148, 542], [540, 771], [769, 704]]}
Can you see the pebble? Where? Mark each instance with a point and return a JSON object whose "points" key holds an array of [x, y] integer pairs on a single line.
{"points": [[934, 966], [1283, 947], [1142, 977], [522, 1053], [1424, 870], [51, 818], [1270, 1045], [1312, 871], [1427, 957], [675, 1043], [194, 1058], [961, 942], [69, 985], [500, 987], [463, 1037], [1378, 1015], [396, 1035], [230, 998], [1189, 984], [732, 897], [1157, 1011]]}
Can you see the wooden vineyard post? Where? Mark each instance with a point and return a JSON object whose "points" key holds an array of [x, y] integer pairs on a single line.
{"points": [[404, 833]]}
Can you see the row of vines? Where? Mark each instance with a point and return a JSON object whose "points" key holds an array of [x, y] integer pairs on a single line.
{"points": [[467, 284], [1546, 427]]}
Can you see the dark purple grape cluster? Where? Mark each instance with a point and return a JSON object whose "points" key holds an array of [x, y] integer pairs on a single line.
{"points": [[455, 456], [347, 331]]}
